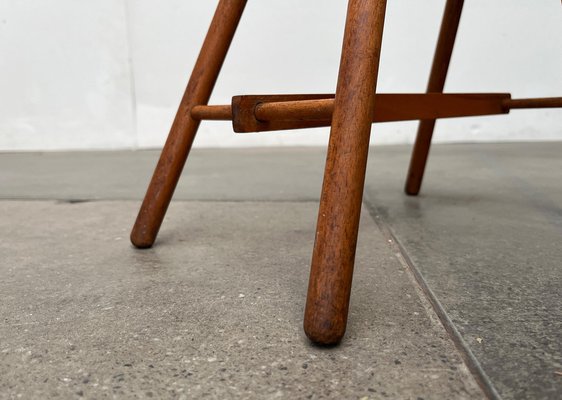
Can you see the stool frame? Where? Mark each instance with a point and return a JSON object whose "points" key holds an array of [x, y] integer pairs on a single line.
{"points": [[350, 113]]}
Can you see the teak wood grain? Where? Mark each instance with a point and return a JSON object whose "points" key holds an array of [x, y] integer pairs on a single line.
{"points": [[438, 75], [261, 113], [244, 117], [333, 257], [184, 127]]}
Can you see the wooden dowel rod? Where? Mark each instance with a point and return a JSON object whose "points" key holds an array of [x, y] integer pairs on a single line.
{"points": [[389, 107], [546, 102], [438, 75], [310, 110], [322, 109], [331, 271], [295, 110], [216, 113], [184, 128]]}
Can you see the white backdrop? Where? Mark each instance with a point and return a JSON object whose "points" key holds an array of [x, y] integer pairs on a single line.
{"points": [[84, 74]]}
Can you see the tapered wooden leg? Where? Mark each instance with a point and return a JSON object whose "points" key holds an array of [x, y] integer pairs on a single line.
{"points": [[441, 60], [340, 204], [184, 128]]}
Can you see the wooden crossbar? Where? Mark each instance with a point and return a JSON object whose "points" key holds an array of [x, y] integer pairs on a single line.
{"points": [[258, 113]]}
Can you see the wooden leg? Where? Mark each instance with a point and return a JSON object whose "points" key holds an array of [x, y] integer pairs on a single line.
{"points": [[340, 204], [184, 128], [441, 60]]}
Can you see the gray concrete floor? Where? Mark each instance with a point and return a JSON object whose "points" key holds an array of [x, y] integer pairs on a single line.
{"points": [[456, 292]]}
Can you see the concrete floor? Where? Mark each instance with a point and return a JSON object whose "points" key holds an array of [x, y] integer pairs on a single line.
{"points": [[456, 292]]}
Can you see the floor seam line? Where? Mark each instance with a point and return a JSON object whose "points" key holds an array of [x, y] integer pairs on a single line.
{"points": [[468, 357]]}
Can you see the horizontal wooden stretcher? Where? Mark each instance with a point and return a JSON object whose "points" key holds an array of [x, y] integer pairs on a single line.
{"points": [[259, 113]]}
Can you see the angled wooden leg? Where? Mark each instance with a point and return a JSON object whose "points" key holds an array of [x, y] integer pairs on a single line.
{"points": [[184, 128], [441, 60], [340, 204]]}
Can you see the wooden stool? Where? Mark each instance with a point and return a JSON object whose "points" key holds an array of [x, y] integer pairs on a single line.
{"points": [[350, 113]]}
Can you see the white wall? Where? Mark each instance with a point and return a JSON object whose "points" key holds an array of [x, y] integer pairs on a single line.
{"points": [[78, 74]]}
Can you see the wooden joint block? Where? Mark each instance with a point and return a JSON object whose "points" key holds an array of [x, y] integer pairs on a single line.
{"points": [[244, 113]]}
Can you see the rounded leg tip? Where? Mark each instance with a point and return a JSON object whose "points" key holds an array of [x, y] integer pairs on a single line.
{"points": [[411, 190], [328, 337], [141, 243]]}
